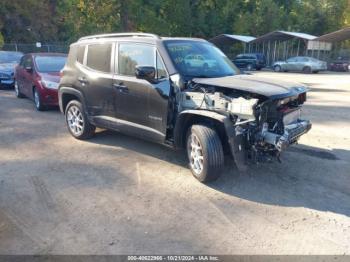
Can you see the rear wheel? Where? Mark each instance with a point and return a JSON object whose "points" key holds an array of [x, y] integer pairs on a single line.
{"points": [[205, 153], [307, 70], [77, 121], [37, 100], [18, 90]]}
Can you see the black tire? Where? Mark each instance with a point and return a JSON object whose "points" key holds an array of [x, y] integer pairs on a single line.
{"points": [[18, 90], [315, 72], [87, 129], [38, 100], [277, 68], [258, 68], [211, 150], [307, 70]]}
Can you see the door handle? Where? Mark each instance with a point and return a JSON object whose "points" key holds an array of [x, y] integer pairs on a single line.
{"points": [[83, 80], [121, 87]]}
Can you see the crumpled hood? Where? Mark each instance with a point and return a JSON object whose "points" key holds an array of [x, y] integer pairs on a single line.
{"points": [[267, 87], [8, 67]]}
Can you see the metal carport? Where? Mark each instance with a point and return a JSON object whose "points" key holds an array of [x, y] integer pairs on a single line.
{"points": [[293, 44], [337, 36], [226, 41]]}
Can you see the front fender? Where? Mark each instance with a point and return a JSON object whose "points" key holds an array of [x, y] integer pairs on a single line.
{"points": [[235, 139], [185, 116]]}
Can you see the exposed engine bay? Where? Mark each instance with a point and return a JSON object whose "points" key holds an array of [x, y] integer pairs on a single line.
{"points": [[263, 125]]}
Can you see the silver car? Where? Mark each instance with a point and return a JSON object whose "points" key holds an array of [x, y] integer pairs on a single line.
{"points": [[300, 63]]}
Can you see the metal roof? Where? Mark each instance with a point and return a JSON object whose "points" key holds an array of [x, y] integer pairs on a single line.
{"points": [[229, 39], [283, 36], [337, 36]]}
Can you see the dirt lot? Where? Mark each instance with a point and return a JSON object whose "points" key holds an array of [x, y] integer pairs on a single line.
{"points": [[119, 195]]}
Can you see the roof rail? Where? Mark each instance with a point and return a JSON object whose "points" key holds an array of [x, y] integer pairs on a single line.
{"points": [[119, 35]]}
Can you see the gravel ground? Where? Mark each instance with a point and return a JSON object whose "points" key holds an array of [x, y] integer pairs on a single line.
{"points": [[120, 195]]}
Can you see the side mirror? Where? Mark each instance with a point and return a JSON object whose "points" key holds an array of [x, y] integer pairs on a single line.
{"points": [[145, 72], [29, 69]]}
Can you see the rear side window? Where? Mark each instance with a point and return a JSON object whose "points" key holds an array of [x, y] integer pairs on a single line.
{"points": [[99, 57], [80, 54], [132, 55]]}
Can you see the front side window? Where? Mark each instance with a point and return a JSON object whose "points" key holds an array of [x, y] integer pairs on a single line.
{"points": [[161, 71], [199, 59], [131, 55], [292, 59], [99, 57], [50, 64], [27, 62], [22, 61]]}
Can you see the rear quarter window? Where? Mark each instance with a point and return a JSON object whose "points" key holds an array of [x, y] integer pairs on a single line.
{"points": [[80, 54], [99, 57]]}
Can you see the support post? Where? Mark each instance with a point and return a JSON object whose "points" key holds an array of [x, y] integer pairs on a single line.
{"points": [[298, 47], [274, 53]]}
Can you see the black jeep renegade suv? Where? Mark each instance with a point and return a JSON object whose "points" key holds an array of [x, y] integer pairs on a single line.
{"points": [[182, 92]]}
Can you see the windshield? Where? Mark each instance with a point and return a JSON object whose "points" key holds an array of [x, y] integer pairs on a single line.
{"points": [[199, 59], [10, 57], [47, 64]]}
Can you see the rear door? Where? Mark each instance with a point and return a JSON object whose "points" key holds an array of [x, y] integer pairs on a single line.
{"points": [[142, 106], [302, 62], [95, 78]]}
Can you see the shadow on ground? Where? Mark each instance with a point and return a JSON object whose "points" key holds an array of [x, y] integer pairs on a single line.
{"points": [[308, 177]]}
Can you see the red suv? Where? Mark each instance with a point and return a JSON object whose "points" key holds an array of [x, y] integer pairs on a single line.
{"points": [[37, 77]]}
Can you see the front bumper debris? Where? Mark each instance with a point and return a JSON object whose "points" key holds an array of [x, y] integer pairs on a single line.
{"points": [[292, 132]]}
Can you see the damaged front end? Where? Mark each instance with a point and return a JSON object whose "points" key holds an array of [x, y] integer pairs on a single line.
{"points": [[258, 127]]}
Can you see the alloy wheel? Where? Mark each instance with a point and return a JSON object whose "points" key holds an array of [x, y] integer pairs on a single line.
{"points": [[16, 88], [36, 99], [75, 120], [195, 154]]}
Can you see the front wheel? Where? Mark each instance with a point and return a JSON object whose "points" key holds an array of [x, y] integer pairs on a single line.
{"points": [[205, 153], [277, 68], [77, 121], [38, 100]]}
